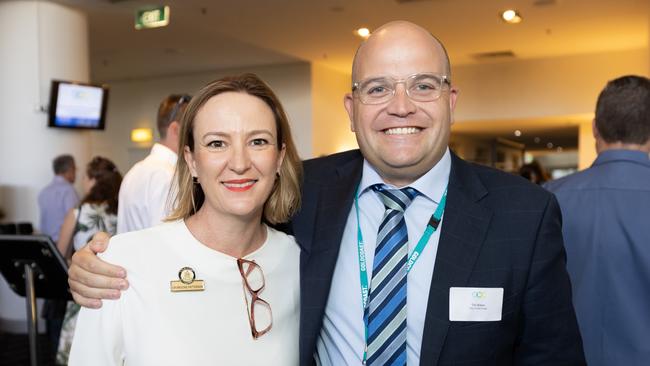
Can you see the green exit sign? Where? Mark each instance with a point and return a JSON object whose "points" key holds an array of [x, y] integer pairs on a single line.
{"points": [[152, 17]]}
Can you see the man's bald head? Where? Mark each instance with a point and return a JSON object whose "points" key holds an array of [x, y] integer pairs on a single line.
{"points": [[402, 138], [395, 33]]}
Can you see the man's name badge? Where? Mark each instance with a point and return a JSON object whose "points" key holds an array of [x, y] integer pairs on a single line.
{"points": [[187, 281]]}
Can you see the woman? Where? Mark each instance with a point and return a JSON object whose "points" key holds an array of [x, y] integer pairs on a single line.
{"points": [[98, 208], [214, 284], [97, 212]]}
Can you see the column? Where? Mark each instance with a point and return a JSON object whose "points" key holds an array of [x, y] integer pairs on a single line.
{"points": [[39, 41]]}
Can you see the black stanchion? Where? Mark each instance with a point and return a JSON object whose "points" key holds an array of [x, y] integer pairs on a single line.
{"points": [[34, 268]]}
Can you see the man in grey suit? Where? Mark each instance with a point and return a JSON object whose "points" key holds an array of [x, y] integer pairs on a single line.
{"points": [[606, 229], [385, 278]]}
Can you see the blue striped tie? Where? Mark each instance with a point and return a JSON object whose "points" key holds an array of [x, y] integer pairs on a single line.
{"points": [[386, 312]]}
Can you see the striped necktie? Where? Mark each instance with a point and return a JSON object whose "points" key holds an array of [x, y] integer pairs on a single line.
{"points": [[386, 311]]}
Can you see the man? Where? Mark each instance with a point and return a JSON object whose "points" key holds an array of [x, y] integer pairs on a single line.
{"points": [[58, 197], [606, 231], [54, 202], [487, 285], [144, 193]]}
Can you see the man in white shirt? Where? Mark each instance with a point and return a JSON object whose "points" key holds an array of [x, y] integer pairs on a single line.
{"points": [[144, 193]]}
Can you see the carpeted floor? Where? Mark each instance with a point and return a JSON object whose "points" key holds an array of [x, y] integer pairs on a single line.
{"points": [[14, 350]]}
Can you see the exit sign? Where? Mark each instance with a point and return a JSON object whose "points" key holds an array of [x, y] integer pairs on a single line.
{"points": [[152, 17]]}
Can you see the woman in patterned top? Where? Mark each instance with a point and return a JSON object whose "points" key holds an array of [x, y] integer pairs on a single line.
{"points": [[96, 212]]}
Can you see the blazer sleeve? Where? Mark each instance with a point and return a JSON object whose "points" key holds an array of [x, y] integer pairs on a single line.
{"points": [[549, 334]]}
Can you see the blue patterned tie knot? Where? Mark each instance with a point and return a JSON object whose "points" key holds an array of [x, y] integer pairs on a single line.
{"points": [[395, 199]]}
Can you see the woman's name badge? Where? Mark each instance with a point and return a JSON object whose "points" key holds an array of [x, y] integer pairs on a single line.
{"points": [[188, 281]]}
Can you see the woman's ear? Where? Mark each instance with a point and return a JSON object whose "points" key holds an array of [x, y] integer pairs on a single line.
{"points": [[188, 155], [283, 152]]}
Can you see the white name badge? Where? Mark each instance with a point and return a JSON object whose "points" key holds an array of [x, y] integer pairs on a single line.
{"points": [[475, 304]]}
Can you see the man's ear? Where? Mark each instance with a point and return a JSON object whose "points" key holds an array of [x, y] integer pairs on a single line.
{"points": [[174, 128], [453, 95], [348, 103]]}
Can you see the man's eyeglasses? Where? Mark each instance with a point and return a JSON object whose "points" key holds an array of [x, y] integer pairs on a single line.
{"points": [[182, 99], [425, 87], [259, 313]]}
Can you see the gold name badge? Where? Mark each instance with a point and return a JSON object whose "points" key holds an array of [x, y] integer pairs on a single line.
{"points": [[188, 281]]}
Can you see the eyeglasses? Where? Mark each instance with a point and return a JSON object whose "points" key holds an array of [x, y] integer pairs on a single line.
{"points": [[182, 99], [425, 87], [259, 311]]}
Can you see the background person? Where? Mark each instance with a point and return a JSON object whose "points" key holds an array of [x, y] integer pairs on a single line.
{"points": [[144, 195], [54, 202], [534, 172], [605, 211], [97, 212], [240, 170], [58, 197]]}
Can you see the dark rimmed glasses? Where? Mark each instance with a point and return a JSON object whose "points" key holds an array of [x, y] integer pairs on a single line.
{"points": [[424, 87], [259, 312]]}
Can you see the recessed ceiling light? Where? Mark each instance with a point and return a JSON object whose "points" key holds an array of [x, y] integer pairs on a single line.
{"points": [[363, 32], [511, 16], [517, 133]]}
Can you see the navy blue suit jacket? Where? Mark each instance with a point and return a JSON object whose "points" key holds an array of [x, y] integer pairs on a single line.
{"points": [[498, 231]]}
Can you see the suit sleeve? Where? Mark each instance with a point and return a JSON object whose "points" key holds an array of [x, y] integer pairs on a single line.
{"points": [[549, 334]]}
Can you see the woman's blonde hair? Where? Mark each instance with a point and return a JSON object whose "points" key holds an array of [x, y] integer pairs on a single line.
{"points": [[285, 197]]}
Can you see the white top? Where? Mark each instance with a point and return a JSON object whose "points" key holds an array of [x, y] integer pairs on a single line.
{"points": [[144, 190], [342, 339], [150, 325]]}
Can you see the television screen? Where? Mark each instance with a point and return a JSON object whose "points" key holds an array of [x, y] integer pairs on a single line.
{"points": [[77, 105]]}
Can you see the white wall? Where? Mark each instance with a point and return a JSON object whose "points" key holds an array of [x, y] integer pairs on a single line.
{"points": [[331, 125], [542, 87], [39, 41], [134, 103], [529, 89]]}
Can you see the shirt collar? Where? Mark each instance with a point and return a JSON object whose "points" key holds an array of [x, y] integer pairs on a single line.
{"points": [[60, 179], [164, 153], [431, 185], [630, 155]]}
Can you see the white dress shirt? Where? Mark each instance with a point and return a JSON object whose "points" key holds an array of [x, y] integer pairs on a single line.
{"points": [[341, 341], [144, 194]]}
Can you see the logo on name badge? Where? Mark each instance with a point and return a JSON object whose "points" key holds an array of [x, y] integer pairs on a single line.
{"points": [[187, 281]]}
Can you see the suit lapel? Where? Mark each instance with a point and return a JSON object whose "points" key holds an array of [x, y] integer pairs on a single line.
{"points": [[463, 230], [321, 225]]}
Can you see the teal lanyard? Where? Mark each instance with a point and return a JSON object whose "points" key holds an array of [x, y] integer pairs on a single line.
{"points": [[431, 228]]}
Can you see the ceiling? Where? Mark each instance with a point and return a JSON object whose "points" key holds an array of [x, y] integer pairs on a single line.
{"points": [[205, 35], [219, 34]]}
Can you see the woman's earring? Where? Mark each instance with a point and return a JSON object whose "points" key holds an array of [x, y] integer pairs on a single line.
{"points": [[195, 180]]}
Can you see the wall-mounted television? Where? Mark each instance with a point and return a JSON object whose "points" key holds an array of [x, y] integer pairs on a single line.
{"points": [[77, 105]]}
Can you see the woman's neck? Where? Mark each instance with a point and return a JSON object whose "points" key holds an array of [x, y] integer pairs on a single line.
{"points": [[231, 235]]}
